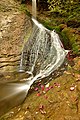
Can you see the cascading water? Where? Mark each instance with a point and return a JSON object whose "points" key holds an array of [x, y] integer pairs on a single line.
{"points": [[34, 8], [42, 54]]}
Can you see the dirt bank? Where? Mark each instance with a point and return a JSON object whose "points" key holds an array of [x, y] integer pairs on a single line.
{"points": [[14, 26]]}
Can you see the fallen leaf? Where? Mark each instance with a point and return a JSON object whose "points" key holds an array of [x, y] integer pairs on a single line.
{"points": [[42, 111], [72, 88], [42, 87], [41, 107], [44, 92], [39, 84], [57, 84], [38, 94], [69, 56], [36, 89], [68, 73], [47, 89], [50, 101], [50, 87]]}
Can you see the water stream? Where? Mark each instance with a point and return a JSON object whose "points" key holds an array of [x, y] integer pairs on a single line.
{"points": [[42, 54], [34, 8]]}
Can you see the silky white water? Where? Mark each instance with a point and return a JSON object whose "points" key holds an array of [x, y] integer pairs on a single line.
{"points": [[34, 8], [43, 53]]}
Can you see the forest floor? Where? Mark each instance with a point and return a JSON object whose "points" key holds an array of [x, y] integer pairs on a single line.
{"points": [[58, 99]]}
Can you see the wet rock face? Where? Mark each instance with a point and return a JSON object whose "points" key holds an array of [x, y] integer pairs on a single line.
{"points": [[14, 25]]}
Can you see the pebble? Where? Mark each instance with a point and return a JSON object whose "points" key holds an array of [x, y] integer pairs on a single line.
{"points": [[36, 112]]}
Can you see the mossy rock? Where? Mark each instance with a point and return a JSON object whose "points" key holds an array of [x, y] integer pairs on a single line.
{"points": [[72, 39]]}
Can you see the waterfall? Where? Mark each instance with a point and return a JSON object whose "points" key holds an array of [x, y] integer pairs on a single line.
{"points": [[43, 52], [34, 8]]}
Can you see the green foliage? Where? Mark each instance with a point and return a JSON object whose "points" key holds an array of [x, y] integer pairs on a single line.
{"points": [[75, 48], [23, 7], [64, 7], [47, 24], [57, 29]]}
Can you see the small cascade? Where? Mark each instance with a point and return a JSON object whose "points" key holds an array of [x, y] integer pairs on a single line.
{"points": [[43, 53], [34, 8], [21, 70]]}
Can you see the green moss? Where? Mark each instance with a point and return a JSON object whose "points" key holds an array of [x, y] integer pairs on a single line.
{"points": [[23, 8], [65, 40], [70, 39], [75, 48], [57, 28], [47, 24]]}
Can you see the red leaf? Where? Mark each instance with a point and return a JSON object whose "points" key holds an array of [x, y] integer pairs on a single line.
{"points": [[36, 89], [42, 87], [38, 94], [47, 89], [50, 87], [46, 97]]}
